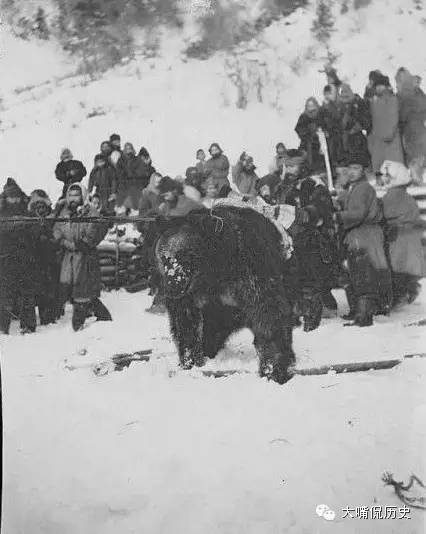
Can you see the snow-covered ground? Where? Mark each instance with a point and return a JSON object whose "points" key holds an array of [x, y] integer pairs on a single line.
{"points": [[155, 450]]}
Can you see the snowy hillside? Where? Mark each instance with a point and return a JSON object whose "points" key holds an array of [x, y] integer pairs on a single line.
{"points": [[174, 105]]}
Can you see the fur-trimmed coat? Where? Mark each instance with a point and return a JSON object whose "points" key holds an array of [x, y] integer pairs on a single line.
{"points": [[364, 238], [312, 233], [80, 265], [354, 117], [18, 266], [404, 229], [245, 180]]}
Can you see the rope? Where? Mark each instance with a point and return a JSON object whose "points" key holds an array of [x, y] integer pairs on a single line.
{"points": [[96, 220]]}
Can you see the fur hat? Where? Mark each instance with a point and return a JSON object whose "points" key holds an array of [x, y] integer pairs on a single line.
{"points": [[39, 195], [100, 157], [269, 180], [129, 145], [395, 174], [12, 189], [66, 154], [114, 137], [168, 184], [83, 191], [295, 156], [215, 145], [381, 79], [355, 159], [143, 153]]}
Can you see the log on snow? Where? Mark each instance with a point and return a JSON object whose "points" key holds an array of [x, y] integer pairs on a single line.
{"points": [[353, 367]]}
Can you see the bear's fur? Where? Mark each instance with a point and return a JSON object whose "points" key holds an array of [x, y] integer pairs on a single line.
{"points": [[223, 271]]}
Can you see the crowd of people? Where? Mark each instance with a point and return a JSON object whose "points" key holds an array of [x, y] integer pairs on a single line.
{"points": [[343, 237]]}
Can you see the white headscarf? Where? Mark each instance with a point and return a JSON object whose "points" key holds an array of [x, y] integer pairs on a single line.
{"points": [[395, 174]]}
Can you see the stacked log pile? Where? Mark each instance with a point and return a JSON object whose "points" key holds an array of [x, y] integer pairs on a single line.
{"points": [[121, 260]]}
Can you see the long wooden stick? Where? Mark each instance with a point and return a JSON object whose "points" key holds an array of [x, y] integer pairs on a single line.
{"points": [[352, 367], [324, 147]]}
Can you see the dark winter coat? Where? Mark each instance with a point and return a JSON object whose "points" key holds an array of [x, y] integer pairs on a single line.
{"points": [[104, 179], [334, 131], [218, 169], [412, 115], [70, 172], [48, 259], [354, 117], [404, 229], [133, 177], [18, 266], [306, 129], [384, 141], [80, 264], [244, 180], [184, 206], [312, 233], [364, 239]]}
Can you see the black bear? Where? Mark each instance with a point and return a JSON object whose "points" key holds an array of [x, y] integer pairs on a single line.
{"points": [[224, 270]]}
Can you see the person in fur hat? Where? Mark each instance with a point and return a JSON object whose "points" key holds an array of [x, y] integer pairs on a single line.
{"points": [[103, 181], [217, 168], [106, 150], [384, 140], [354, 120], [313, 118], [404, 229], [412, 122], [295, 168], [369, 275], [69, 170], [80, 275], [370, 89], [18, 267], [314, 244], [47, 258], [175, 203], [244, 176], [134, 172], [278, 163]]}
